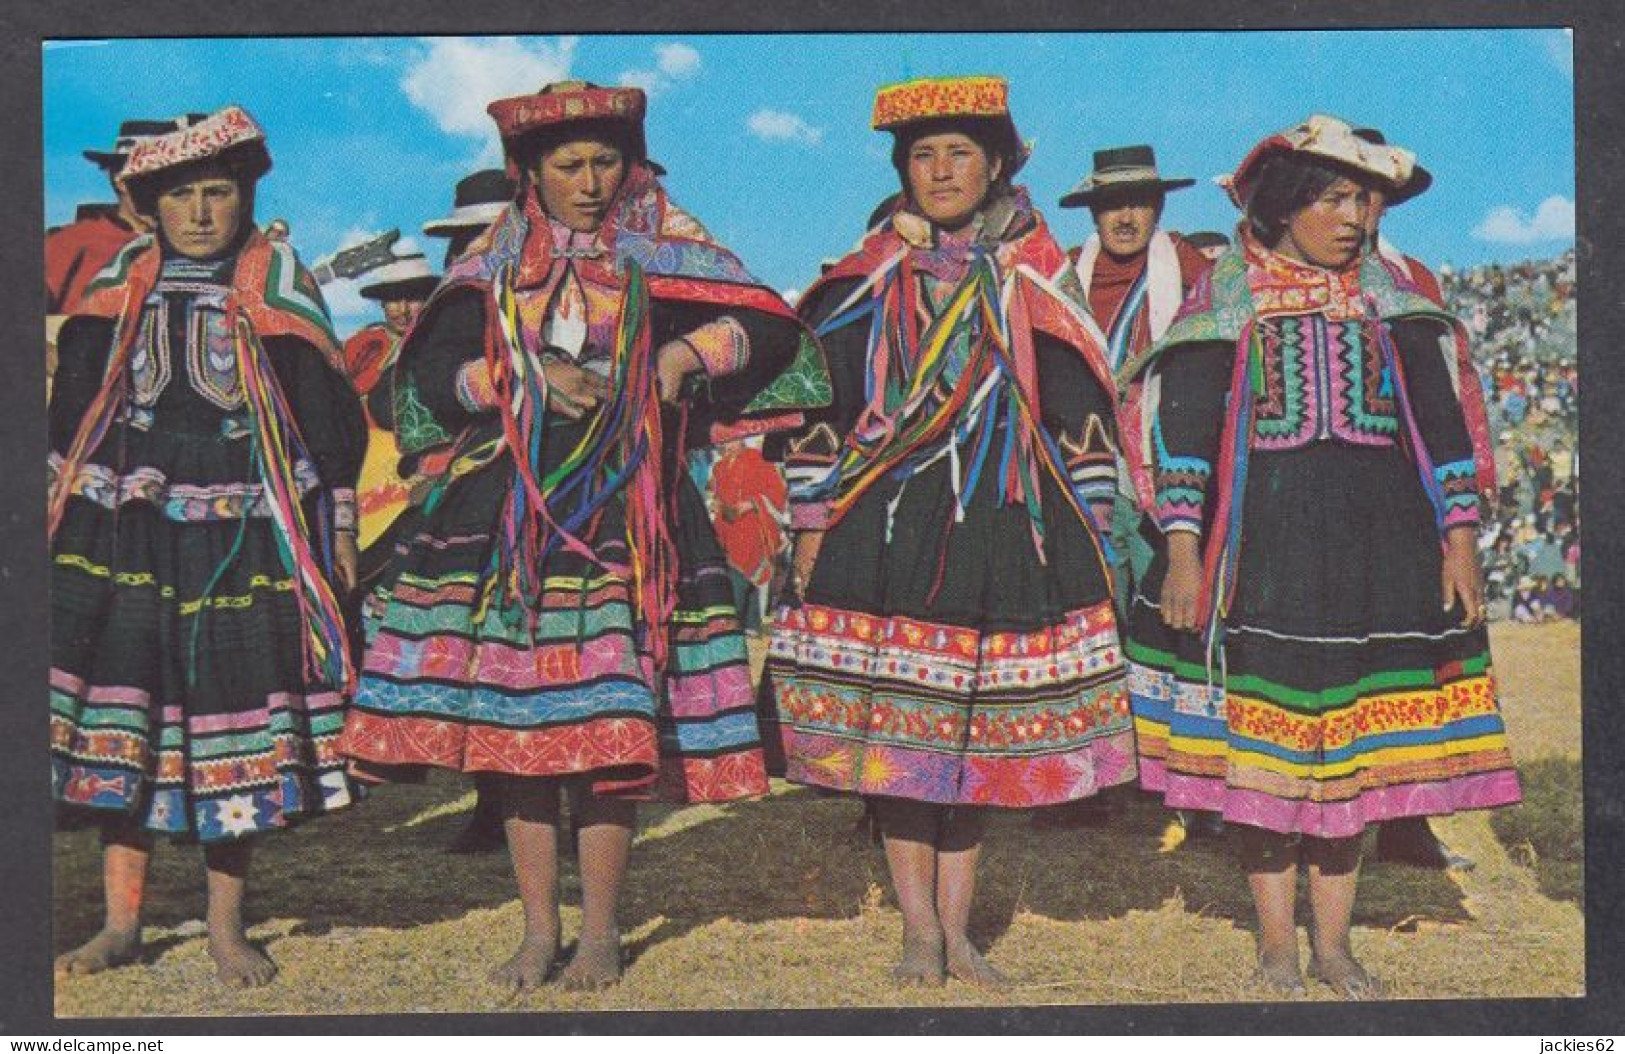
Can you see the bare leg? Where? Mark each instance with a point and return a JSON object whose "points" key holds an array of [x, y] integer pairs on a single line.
{"points": [[1334, 872], [237, 962], [605, 833], [126, 851], [958, 849], [909, 830], [1271, 863], [530, 816]]}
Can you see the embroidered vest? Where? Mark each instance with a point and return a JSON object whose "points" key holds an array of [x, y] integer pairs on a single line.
{"points": [[1322, 379]]}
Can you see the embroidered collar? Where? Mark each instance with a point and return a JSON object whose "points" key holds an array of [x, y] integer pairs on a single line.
{"points": [[1283, 286]]}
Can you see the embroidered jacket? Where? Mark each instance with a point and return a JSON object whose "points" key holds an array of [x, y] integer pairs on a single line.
{"points": [[1313, 356]]}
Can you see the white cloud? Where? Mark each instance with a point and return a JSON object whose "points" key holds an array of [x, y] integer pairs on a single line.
{"points": [[780, 125], [1553, 221], [673, 62], [649, 80], [677, 60], [455, 79]]}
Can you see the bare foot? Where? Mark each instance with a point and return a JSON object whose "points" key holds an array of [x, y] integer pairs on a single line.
{"points": [[107, 949], [530, 965], [596, 964], [1346, 976], [967, 964], [1278, 973], [238, 963], [922, 961]]}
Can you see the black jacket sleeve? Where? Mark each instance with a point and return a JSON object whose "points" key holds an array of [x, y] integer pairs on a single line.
{"points": [[82, 349], [325, 408], [1194, 381]]}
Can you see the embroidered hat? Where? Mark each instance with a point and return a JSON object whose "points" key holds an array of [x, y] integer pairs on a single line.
{"points": [[567, 102], [229, 134], [977, 98], [1421, 179], [406, 277], [132, 132], [478, 200], [1118, 170], [1329, 138]]}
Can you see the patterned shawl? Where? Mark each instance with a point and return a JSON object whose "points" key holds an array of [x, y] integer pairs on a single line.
{"points": [[979, 350], [650, 249]]}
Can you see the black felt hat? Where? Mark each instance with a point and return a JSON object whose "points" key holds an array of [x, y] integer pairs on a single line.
{"points": [[1119, 170], [1421, 179]]}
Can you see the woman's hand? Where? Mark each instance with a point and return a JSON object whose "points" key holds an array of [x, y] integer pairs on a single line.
{"points": [[346, 558], [804, 557], [571, 390], [1459, 576], [1183, 582], [675, 360]]}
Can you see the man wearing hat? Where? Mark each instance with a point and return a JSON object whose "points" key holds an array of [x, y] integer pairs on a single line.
{"points": [[75, 252], [1134, 275], [477, 202], [1421, 179], [400, 286]]}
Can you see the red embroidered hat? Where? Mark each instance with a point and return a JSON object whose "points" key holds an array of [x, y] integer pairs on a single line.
{"points": [[229, 135], [566, 102], [1329, 138], [976, 98]]}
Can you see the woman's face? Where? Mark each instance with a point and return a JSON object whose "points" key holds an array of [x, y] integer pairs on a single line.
{"points": [[1328, 231], [948, 178], [578, 180], [200, 217]]}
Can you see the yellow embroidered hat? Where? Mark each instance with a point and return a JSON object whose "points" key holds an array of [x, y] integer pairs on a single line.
{"points": [[980, 99]]}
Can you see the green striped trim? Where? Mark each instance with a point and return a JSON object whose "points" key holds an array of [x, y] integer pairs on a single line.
{"points": [[118, 268], [290, 288], [1271, 691]]}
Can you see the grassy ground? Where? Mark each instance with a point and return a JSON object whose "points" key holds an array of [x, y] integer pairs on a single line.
{"points": [[782, 903]]}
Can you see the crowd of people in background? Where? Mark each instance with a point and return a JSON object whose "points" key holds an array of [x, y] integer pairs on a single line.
{"points": [[1522, 322]]}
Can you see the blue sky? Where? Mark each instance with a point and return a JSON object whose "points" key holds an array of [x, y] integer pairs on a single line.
{"points": [[767, 138]]}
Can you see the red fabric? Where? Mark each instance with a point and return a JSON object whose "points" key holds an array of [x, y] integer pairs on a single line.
{"points": [[1425, 281], [74, 254], [367, 355], [751, 499], [1113, 278]]}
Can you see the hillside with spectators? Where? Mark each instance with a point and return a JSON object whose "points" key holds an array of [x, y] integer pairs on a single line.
{"points": [[1522, 322]]}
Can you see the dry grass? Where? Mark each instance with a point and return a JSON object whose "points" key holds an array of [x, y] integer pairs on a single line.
{"points": [[780, 903]]}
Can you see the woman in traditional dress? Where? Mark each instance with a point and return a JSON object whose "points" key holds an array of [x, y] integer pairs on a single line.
{"points": [[205, 447], [561, 615], [953, 645], [1307, 654]]}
